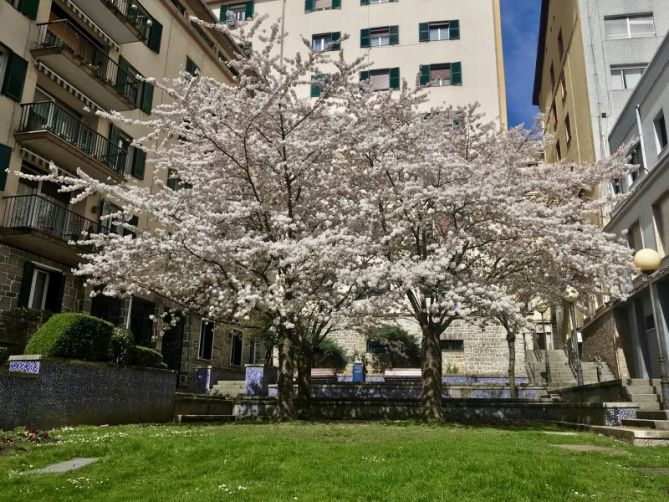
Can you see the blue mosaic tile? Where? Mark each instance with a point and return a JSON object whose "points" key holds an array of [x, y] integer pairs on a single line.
{"points": [[31, 367], [253, 380], [615, 416]]}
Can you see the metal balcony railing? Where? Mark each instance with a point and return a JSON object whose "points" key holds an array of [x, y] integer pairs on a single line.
{"points": [[36, 212], [47, 116], [64, 35], [133, 12]]}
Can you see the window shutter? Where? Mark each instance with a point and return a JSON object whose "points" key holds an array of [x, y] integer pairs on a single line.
{"points": [[364, 75], [394, 78], [55, 292], [336, 4], [394, 32], [249, 9], [26, 284], [424, 75], [132, 221], [155, 34], [112, 154], [315, 88], [456, 73], [424, 32], [147, 97], [223, 15], [454, 29], [336, 41], [122, 75], [5, 157], [29, 8], [364, 2], [308, 5], [15, 77], [364, 38], [138, 163]]}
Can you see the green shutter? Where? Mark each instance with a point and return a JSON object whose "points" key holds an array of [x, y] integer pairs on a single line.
{"points": [[308, 5], [364, 38], [364, 75], [155, 34], [26, 284], [454, 30], [456, 73], [336, 41], [29, 8], [5, 157], [134, 221], [55, 292], [249, 9], [424, 74], [315, 87], [138, 163], [112, 154], [223, 15], [394, 78], [15, 77], [424, 32], [336, 4], [394, 32], [147, 97], [364, 2], [122, 75]]}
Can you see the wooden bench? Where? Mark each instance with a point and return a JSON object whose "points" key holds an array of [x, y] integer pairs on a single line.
{"points": [[402, 374], [323, 374]]}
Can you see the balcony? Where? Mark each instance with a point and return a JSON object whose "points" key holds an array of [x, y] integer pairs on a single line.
{"points": [[55, 133], [36, 222], [125, 21], [72, 54]]}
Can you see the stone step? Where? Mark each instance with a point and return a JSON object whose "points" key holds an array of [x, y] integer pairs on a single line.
{"points": [[644, 398], [183, 419], [648, 424], [636, 382], [653, 415], [633, 435]]}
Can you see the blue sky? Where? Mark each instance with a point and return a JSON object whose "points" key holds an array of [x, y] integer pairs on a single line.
{"points": [[520, 28]]}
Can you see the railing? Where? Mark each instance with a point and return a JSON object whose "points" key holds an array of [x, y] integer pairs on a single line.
{"points": [[572, 358], [47, 116], [39, 213], [135, 14], [64, 35]]}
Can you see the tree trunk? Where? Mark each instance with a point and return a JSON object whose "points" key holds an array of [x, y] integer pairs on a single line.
{"points": [[285, 410], [431, 385], [268, 365], [304, 362], [511, 342]]}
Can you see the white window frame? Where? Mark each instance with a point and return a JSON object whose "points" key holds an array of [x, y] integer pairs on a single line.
{"points": [[4, 59], [440, 82], [239, 10], [379, 37], [627, 19], [33, 281], [623, 73], [323, 8], [321, 43], [443, 31], [378, 1]]}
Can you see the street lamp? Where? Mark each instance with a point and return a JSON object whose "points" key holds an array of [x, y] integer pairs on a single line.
{"points": [[570, 296], [648, 261], [542, 308]]}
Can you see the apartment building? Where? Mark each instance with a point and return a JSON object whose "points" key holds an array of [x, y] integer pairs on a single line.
{"points": [[454, 49], [635, 332], [591, 55], [60, 62]]}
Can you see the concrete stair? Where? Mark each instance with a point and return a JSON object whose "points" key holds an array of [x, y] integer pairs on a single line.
{"points": [[638, 436], [644, 393], [562, 375], [229, 388]]}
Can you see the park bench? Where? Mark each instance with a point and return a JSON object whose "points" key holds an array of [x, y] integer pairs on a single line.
{"points": [[321, 374], [402, 374]]}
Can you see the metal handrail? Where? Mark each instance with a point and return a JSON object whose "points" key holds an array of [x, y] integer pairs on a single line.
{"points": [[63, 34], [48, 116], [134, 12], [571, 357], [36, 212]]}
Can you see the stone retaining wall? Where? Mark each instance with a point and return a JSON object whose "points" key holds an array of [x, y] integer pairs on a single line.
{"points": [[47, 392]]}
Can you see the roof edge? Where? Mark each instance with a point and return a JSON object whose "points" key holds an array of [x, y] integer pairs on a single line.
{"points": [[541, 49]]}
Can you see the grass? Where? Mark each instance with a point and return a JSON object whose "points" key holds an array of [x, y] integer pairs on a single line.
{"points": [[333, 461]]}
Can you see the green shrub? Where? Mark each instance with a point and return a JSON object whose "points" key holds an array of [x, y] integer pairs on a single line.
{"points": [[144, 356], [329, 354], [121, 342], [393, 347], [73, 336]]}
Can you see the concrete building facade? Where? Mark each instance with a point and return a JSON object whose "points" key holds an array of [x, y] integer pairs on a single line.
{"points": [[60, 62]]}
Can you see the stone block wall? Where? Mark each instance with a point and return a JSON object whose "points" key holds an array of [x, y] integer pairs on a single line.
{"points": [[602, 339]]}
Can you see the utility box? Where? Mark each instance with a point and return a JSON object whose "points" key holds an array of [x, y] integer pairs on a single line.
{"points": [[358, 373]]}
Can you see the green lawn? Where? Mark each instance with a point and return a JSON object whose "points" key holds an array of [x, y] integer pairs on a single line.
{"points": [[333, 461]]}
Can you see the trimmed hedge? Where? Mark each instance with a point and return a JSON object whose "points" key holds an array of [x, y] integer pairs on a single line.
{"points": [[121, 343], [144, 356], [73, 336]]}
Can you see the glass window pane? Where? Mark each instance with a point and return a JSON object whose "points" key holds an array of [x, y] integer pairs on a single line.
{"points": [[322, 4], [379, 81], [632, 77], [642, 25], [616, 27], [617, 81], [41, 279]]}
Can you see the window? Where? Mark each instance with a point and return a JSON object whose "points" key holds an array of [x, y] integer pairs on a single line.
{"points": [[313, 5], [378, 37], [234, 13], [567, 126], [317, 83], [367, 2], [206, 340], [381, 80], [560, 42], [563, 87], [634, 239], [452, 345], [661, 218], [4, 59], [552, 73], [27, 7], [558, 150], [237, 349], [554, 117], [629, 26], [326, 42], [191, 67], [13, 70], [439, 30], [41, 288], [660, 126], [107, 223], [626, 77], [437, 75], [374, 347]]}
